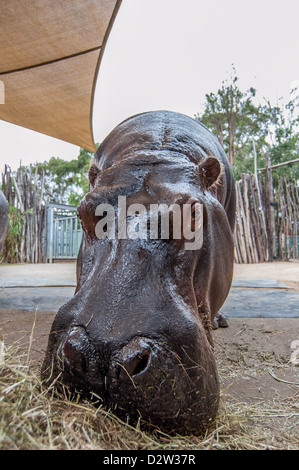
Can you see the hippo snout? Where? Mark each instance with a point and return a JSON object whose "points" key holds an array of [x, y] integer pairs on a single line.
{"points": [[141, 377], [80, 361]]}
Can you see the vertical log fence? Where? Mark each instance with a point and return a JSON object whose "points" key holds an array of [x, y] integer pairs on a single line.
{"points": [[266, 229], [24, 193]]}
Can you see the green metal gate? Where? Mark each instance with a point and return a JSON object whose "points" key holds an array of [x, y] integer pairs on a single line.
{"points": [[63, 232]]}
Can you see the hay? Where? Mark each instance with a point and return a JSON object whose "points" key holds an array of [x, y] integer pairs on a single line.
{"points": [[33, 418]]}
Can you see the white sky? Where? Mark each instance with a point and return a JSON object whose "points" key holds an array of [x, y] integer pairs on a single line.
{"points": [[167, 54]]}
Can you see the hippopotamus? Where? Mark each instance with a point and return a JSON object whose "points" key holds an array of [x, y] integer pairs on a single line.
{"points": [[4, 221], [137, 334]]}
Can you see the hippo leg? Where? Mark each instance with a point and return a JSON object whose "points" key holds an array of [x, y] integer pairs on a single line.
{"points": [[220, 321]]}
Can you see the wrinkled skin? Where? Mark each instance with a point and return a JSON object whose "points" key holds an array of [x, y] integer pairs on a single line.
{"points": [[4, 222], [137, 332]]}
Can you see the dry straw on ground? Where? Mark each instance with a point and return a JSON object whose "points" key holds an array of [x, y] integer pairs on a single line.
{"points": [[34, 418]]}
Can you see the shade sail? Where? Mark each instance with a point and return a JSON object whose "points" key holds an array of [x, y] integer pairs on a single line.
{"points": [[49, 58]]}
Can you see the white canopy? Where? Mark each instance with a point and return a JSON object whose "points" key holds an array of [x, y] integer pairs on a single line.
{"points": [[50, 52]]}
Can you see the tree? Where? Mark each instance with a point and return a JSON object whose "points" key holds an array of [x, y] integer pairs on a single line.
{"points": [[285, 137], [66, 181], [232, 115]]}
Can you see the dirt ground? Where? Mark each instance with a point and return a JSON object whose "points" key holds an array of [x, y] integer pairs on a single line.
{"points": [[250, 349], [253, 354]]}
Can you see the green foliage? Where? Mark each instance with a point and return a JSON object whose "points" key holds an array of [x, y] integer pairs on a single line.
{"points": [[285, 139], [14, 236], [236, 120], [66, 181]]}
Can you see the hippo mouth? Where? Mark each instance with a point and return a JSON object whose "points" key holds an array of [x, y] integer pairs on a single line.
{"points": [[144, 380]]}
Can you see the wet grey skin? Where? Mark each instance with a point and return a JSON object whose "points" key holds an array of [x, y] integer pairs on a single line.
{"points": [[137, 334]]}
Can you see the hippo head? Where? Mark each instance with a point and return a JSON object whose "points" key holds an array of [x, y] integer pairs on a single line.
{"points": [[137, 333]]}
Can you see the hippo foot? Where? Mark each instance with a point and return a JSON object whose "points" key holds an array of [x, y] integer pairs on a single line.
{"points": [[219, 321]]}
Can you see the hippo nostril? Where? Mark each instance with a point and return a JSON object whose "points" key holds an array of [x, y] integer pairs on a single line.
{"points": [[68, 351], [141, 363], [74, 351], [132, 361], [134, 364]]}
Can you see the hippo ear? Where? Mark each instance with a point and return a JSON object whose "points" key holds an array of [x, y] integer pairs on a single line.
{"points": [[209, 170], [94, 172]]}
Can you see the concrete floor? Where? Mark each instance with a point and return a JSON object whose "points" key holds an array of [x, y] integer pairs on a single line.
{"points": [[35, 275], [28, 286], [48, 286]]}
